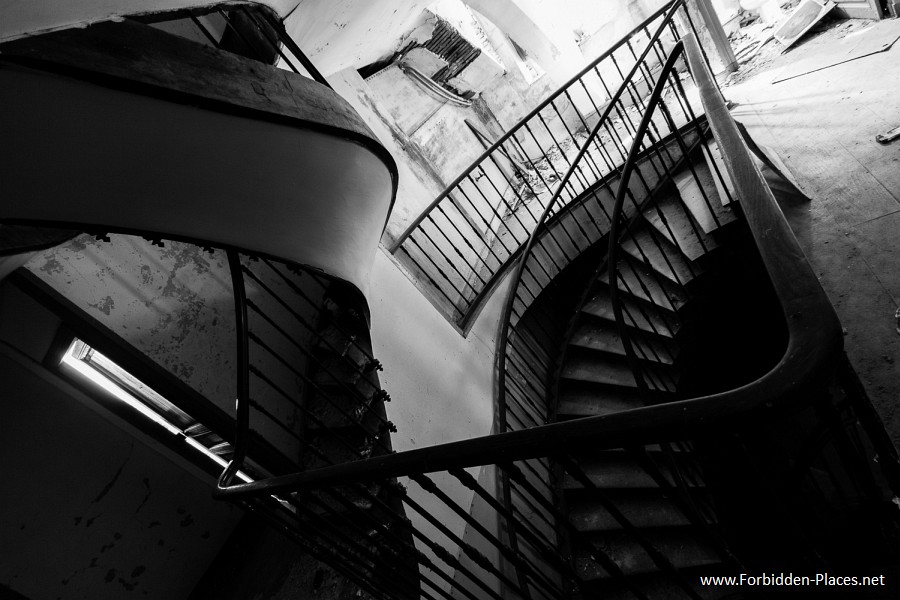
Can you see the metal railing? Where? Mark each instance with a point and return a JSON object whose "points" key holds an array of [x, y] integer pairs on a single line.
{"points": [[312, 434], [461, 244], [518, 540], [540, 304], [528, 527]]}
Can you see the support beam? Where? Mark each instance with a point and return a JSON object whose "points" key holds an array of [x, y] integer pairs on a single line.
{"points": [[711, 35]]}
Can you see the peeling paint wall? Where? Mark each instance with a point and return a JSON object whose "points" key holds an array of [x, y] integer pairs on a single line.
{"points": [[441, 383], [175, 304]]}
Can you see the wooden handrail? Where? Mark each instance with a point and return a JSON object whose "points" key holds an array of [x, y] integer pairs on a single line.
{"points": [[814, 348]]}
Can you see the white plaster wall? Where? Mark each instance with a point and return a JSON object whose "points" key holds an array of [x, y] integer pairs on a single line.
{"points": [[441, 383]]}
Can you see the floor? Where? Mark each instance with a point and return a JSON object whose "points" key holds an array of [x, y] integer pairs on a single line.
{"points": [[823, 126]]}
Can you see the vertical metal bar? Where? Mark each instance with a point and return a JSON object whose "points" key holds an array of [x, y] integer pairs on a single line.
{"points": [[242, 348]]}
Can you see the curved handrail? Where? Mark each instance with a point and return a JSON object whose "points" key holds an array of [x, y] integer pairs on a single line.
{"points": [[552, 206], [815, 344], [504, 363], [521, 123], [467, 239], [617, 221]]}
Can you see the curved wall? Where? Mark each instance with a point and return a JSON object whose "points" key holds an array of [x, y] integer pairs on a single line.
{"points": [[292, 173]]}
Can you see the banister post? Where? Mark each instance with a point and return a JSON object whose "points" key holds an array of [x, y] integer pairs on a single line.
{"points": [[710, 34]]}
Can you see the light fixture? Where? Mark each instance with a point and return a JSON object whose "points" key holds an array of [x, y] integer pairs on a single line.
{"points": [[100, 370]]}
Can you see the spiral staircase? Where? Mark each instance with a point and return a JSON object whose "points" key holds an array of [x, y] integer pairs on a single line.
{"points": [[672, 399]]}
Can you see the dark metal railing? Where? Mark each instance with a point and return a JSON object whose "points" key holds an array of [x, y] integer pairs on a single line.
{"points": [[527, 525], [461, 244], [624, 229], [539, 305], [517, 540], [313, 435]]}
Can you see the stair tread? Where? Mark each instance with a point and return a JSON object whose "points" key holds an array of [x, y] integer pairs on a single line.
{"points": [[648, 512], [682, 546], [661, 254], [697, 190], [637, 314], [639, 280], [622, 470], [601, 335], [679, 228], [588, 399], [601, 367], [713, 156]]}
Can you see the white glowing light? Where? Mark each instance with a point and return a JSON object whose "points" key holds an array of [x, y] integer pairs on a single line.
{"points": [[106, 374]]}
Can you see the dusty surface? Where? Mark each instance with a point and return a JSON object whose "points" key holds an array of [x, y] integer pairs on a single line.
{"points": [[823, 125], [754, 61]]}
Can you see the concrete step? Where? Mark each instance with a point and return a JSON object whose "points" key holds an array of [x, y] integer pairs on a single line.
{"points": [[665, 258], [671, 219]]}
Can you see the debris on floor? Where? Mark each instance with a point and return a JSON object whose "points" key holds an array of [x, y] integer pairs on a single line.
{"points": [[886, 138], [755, 51], [751, 43], [801, 20], [848, 40]]}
